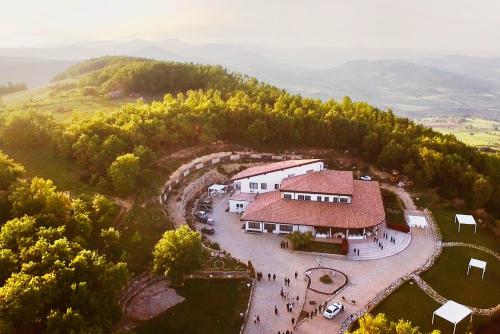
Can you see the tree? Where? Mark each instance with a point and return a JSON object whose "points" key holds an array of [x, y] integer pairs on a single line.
{"points": [[9, 171], [483, 190], [36, 129], [300, 240], [124, 173], [379, 324], [178, 253]]}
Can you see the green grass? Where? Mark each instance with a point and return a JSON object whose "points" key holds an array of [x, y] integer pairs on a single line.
{"points": [[143, 228], [445, 218], [42, 162], [448, 277], [211, 307], [409, 302], [472, 131]]}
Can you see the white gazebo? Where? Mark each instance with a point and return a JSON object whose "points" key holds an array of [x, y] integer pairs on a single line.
{"points": [[478, 264], [453, 312], [417, 221], [466, 220], [217, 189]]}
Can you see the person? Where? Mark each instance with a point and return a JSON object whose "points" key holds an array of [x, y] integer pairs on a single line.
{"points": [[274, 277], [297, 299], [258, 319], [275, 310], [293, 321], [296, 275], [320, 307], [254, 319], [354, 250], [287, 244], [269, 276], [281, 293], [358, 251], [287, 331]]}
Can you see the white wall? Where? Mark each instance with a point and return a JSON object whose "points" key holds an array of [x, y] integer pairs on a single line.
{"points": [[300, 228], [233, 208], [276, 177], [314, 197]]}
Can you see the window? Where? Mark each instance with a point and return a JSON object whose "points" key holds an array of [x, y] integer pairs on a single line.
{"points": [[239, 205], [336, 199], [237, 186], [254, 185], [253, 225], [286, 228], [276, 186], [319, 198], [343, 199], [287, 196], [263, 186], [307, 198], [300, 197], [326, 199]]}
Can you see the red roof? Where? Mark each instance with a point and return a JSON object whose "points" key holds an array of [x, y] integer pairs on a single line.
{"points": [[272, 167], [366, 209], [324, 182]]}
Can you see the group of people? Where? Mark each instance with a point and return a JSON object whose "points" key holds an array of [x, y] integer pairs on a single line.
{"points": [[284, 244], [316, 310], [260, 275], [356, 251]]}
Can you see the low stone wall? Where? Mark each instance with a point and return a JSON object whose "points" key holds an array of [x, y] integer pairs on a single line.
{"points": [[465, 244]]}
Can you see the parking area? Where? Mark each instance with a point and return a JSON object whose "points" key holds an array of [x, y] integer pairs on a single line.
{"points": [[366, 278]]}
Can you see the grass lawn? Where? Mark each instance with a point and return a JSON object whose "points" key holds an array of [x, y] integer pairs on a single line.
{"points": [[448, 277], [211, 307], [322, 247], [143, 228], [409, 302], [43, 163], [445, 218]]}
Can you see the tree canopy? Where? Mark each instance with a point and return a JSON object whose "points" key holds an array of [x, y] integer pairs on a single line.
{"points": [[368, 324]]}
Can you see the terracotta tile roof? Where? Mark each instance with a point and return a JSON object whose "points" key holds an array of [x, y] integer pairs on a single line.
{"points": [[325, 182], [272, 167], [366, 209]]}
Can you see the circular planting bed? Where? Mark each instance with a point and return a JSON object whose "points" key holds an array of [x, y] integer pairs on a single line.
{"points": [[326, 281]]}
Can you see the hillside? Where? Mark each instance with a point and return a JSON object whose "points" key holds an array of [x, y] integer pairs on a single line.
{"points": [[35, 72]]}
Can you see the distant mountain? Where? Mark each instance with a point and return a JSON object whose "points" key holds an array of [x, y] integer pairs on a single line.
{"points": [[34, 72], [416, 83]]}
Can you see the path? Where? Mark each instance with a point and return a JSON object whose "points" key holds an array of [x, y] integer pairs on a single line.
{"points": [[402, 194], [125, 206]]}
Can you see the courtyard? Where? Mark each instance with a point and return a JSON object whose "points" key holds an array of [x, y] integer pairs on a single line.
{"points": [[366, 278]]}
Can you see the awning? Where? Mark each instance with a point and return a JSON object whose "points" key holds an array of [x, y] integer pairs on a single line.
{"points": [[453, 312]]}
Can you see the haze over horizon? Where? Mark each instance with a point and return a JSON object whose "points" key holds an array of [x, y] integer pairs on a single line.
{"points": [[449, 25]]}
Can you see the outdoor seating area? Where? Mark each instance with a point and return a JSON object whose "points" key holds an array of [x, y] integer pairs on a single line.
{"points": [[453, 312], [465, 220], [478, 264]]}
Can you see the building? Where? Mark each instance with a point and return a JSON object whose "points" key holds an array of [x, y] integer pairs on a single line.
{"points": [[266, 178], [329, 204]]}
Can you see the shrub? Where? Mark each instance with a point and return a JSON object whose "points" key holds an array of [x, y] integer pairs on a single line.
{"points": [[326, 279], [300, 240]]}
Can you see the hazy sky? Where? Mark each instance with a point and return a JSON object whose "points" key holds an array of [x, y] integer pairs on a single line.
{"points": [[457, 25]]}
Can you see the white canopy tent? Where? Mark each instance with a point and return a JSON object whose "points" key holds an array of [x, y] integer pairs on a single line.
{"points": [[417, 221], [453, 312], [478, 264], [217, 189], [466, 220]]}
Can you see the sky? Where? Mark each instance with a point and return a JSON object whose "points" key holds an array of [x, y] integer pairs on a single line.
{"points": [[454, 25]]}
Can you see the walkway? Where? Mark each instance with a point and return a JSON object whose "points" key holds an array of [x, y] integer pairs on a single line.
{"points": [[370, 250]]}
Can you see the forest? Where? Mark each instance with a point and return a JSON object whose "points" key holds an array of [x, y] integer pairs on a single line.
{"points": [[51, 242]]}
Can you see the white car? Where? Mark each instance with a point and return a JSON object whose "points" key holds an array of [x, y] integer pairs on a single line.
{"points": [[210, 221], [366, 178], [333, 310]]}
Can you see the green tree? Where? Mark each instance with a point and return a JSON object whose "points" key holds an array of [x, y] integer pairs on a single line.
{"points": [[10, 171], [483, 190], [368, 324], [124, 173], [178, 253]]}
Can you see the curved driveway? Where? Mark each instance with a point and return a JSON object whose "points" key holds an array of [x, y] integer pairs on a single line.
{"points": [[367, 278]]}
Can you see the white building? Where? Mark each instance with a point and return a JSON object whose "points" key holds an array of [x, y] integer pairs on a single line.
{"points": [[266, 178]]}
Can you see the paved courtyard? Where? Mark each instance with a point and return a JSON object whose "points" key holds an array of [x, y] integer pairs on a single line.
{"points": [[366, 278]]}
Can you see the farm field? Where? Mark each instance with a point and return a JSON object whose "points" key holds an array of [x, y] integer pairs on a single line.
{"points": [[473, 131]]}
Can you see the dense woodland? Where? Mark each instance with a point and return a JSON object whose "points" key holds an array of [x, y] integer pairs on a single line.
{"points": [[59, 256], [114, 147]]}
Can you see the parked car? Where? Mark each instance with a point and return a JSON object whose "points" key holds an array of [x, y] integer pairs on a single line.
{"points": [[207, 230], [332, 310], [366, 178], [200, 213], [205, 207], [207, 201], [210, 221], [202, 219]]}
